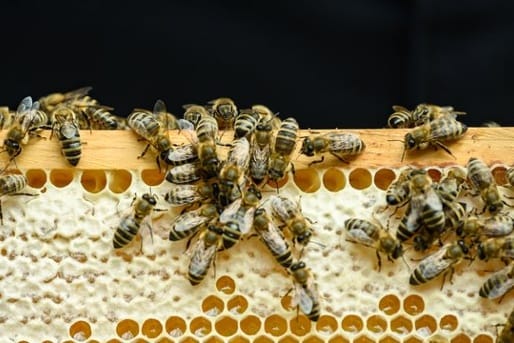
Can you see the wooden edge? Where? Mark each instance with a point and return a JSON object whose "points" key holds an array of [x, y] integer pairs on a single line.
{"points": [[120, 150]]}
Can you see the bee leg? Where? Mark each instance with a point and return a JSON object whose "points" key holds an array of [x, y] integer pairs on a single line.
{"points": [[293, 171], [379, 261], [444, 147], [144, 151], [340, 158], [1, 214], [317, 161]]}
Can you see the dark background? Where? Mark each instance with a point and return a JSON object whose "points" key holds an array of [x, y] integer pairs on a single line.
{"points": [[328, 63]]}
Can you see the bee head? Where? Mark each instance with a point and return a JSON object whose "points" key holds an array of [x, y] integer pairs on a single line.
{"points": [[307, 147], [409, 141], [297, 266], [304, 237], [398, 251], [150, 199], [13, 147], [463, 246], [481, 251]]}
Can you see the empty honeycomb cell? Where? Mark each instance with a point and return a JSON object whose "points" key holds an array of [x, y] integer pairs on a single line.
{"points": [[275, 325], [326, 325], [239, 339], [93, 181], [175, 326], [237, 304], [36, 178], [263, 339], [61, 177], [288, 339], [307, 180], [334, 179], [140, 340], [212, 305], [279, 183], [189, 340], [80, 330], [364, 339], [426, 325], [376, 323], [152, 177], [413, 304], [360, 178], [251, 325], [383, 178], [226, 326], [401, 325], [164, 340], [214, 339], [114, 340], [200, 326], [435, 174], [127, 329], [151, 328], [412, 340], [226, 284], [352, 323], [313, 339], [338, 339], [389, 304], [461, 338], [300, 325], [388, 339], [120, 180], [449, 322], [483, 338], [500, 175]]}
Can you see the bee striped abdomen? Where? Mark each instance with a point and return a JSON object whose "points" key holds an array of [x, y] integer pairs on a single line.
{"points": [[103, 119], [126, 231], [71, 146], [231, 235], [285, 141], [12, 183], [144, 124]]}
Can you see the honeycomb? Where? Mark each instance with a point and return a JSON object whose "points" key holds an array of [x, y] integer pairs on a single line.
{"points": [[61, 281]]}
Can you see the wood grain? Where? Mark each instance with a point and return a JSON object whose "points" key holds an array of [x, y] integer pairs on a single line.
{"points": [[120, 150]]}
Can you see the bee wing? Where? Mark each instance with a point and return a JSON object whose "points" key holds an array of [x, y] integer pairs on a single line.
{"points": [[442, 127], [186, 223], [78, 93], [229, 212], [185, 125], [360, 236], [247, 221], [303, 299], [500, 288], [274, 239], [159, 107], [342, 141], [201, 257], [435, 264], [433, 200], [413, 216], [239, 154], [398, 108], [278, 208], [25, 105], [498, 226]]}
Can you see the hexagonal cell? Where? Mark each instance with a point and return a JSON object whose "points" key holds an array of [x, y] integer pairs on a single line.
{"points": [[425, 325], [435, 174], [200, 326], [383, 178], [388, 339], [449, 322], [275, 325], [307, 180], [313, 339], [500, 175], [300, 325], [151, 328], [214, 339], [139, 340], [93, 341], [152, 177], [61, 177], [286, 303], [288, 339], [36, 178], [279, 183], [389, 304], [120, 180], [237, 305], [175, 326], [326, 325], [127, 329], [360, 178], [80, 330], [239, 339], [352, 323], [189, 340], [226, 326], [334, 179], [483, 338], [413, 304], [114, 340], [263, 339], [164, 340], [93, 180], [338, 339], [212, 305], [376, 324], [401, 325], [226, 284], [412, 340], [364, 339], [250, 325], [461, 338]]}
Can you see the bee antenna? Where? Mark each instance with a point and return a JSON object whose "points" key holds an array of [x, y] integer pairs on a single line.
{"points": [[318, 244], [403, 154]]}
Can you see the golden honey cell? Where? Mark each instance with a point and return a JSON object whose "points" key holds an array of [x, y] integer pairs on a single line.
{"points": [[482, 338], [212, 305], [326, 325], [200, 326], [120, 180], [401, 325], [152, 177], [275, 325], [237, 304], [226, 284], [263, 339], [313, 339], [383, 178], [151, 328], [61, 177], [500, 175], [278, 183], [80, 330], [435, 174], [449, 322], [93, 181], [250, 325], [376, 323], [338, 339], [226, 326], [360, 178], [461, 338], [426, 322], [388, 339], [364, 339], [175, 326], [389, 304], [214, 339], [164, 340], [36, 178], [413, 304], [352, 323], [307, 180], [288, 339], [300, 325], [412, 340], [127, 329], [334, 179], [239, 339]]}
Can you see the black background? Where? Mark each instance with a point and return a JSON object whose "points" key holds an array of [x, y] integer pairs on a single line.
{"points": [[328, 63]]}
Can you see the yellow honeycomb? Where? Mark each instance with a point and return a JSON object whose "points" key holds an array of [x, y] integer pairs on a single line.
{"points": [[61, 281]]}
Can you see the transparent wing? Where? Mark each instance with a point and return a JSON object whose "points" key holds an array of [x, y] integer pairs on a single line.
{"points": [[159, 107], [280, 208], [188, 221], [342, 141], [25, 105], [360, 236], [239, 154], [303, 299], [433, 200], [413, 216], [500, 288], [182, 153], [230, 211], [274, 239], [201, 257], [435, 264], [500, 225], [247, 222], [185, 125]]}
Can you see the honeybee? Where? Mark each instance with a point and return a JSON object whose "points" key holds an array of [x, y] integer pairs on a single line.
{"points": [[259, 159], [483, 182], [237, 218], [306, 295], [272, 237], [285, 143], [239, 153], [148, 126], [245, 123], [185, 173], [290, 213], [338, 144], [28, 119], [374, 236], [12, 184], [439, 262], [266, 116], [206, 133], [187, 194], [510, 175], [203, 253], [507, 334], [232, 174], [498, 284], [65, 126], [6, 117], [424, 208], [189, 222], [99, 117], [428, 112], [130, 224], [51, 101], [450, 186], [183, 154], [502, 248], [498, 225], [263, 134], [401, 118], [398, 192], [470, 230], [225, 112], [432, 133], [193, 113]]}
